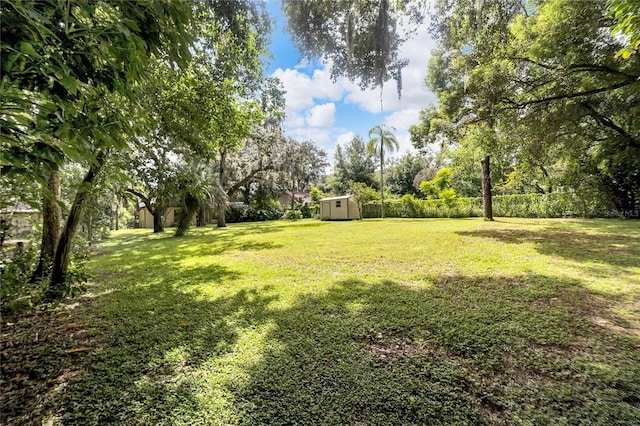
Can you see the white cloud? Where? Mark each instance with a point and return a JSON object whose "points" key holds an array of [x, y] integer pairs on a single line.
{"points": [[295, 84], [322, 115], [401, 120], [318, 135], [345, 138], [294, 119], [301, 89], [313, 100], [404, 142], [414, 92]]}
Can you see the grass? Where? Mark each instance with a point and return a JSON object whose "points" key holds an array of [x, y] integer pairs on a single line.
{"points": [[396, 321]]}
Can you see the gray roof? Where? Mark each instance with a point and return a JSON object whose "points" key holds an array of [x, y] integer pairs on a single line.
{"points": [[19, 207]]}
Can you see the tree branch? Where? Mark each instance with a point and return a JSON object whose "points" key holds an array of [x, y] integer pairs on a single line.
{"points": [[242, 182], [576, 67], [145, 200], [607, 122], [628, 82]]}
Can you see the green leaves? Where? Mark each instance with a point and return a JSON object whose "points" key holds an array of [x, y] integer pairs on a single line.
{"points": [[27, 48], [543, 88], [626, 14], [360, 38], [61, 60]]}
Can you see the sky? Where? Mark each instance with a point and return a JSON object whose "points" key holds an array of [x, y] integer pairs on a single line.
{"points": [[327, 112]]}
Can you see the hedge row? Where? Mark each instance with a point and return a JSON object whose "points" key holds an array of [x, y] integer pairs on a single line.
{"points": [[560, 204]]}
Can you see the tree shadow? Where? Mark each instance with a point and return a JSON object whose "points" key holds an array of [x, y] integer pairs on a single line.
{"points": [[579, 246], [134, 352], [456, 350], [168, 253], [464, 351]]}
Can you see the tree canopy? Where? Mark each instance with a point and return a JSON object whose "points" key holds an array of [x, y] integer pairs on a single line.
{"points": [[540, 85], [62, 61], [360, 39]]}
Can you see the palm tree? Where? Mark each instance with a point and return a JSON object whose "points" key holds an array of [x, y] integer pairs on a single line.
{"points": [[381, 139]]}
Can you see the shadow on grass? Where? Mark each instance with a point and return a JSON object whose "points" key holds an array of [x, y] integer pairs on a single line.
{"points": [[150, 343], [610, 248], [462, 350], [465, 351], [163, 257]]}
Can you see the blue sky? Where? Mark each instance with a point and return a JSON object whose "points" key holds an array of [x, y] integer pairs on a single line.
{"points": [[327, 112]]}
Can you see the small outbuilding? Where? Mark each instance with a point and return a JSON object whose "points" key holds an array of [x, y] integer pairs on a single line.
{"points": [[339, 208], [22, 218]]}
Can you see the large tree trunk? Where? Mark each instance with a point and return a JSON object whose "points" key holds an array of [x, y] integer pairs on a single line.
{"points": [[154, 209], [381, 178], [117, 212], [63, 250], [190, 206], [200, 217], [90, 229], [51, 223], [157, 220], [222, 219], [487, 207], [220, 206]]}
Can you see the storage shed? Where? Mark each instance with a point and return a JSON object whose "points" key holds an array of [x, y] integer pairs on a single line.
{"points": [[170, 217], [23, 218], [339, 208]]}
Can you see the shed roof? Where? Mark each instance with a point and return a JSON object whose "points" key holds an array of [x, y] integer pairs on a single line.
{"points": [[341, 197], [19, 207]]}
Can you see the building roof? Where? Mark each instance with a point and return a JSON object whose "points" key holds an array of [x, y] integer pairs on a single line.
{"points": [[341, 197], [19, 207]]}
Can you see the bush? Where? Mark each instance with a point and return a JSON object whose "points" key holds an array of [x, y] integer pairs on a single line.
{"points": [[554, 205], [306, 211], [241, 212], [292, 215], [17, 263]]}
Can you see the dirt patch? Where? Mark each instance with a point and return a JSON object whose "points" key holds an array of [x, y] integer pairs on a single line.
{"points": [[633, 331], [389, 348]]}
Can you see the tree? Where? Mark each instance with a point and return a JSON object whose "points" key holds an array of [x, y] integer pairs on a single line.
{"points": [[543, 82], [353, 164], [381, 139], [199, 189], [363, 194], [66, 64], [403, 173], [72, 70], [153, 178], [259, 152], [435, 187], [487, 206], [205, 110], [626, 14], [52, 218], [303, 163], [359, 38], [60, 58]]}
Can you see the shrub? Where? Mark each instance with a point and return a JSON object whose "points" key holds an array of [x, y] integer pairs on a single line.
{"points": [[17, 263], [411, 206], [306, 212], [241, 212], [292, 215], [559, 204]]}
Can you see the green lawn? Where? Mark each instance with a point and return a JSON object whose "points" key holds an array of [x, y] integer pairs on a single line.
{"points": [[397, 321]]}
